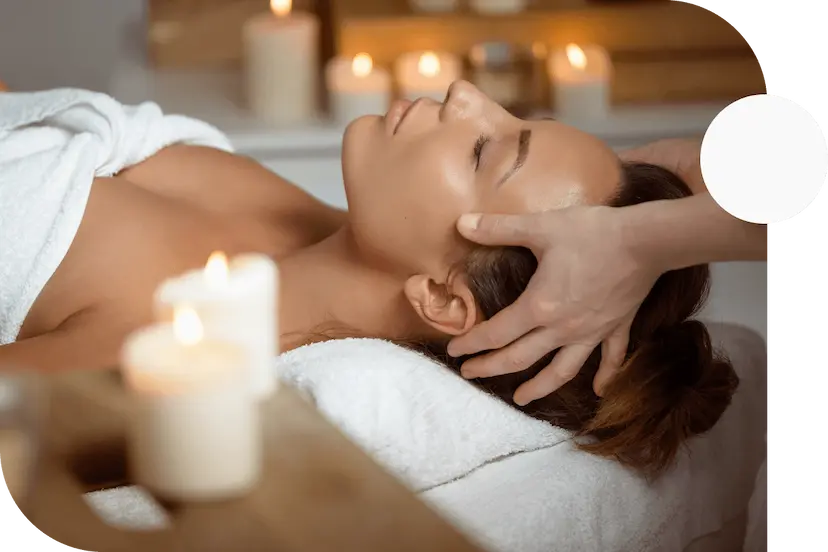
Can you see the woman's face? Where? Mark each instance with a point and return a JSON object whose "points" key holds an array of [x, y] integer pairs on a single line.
{"points": [[411, 174]]}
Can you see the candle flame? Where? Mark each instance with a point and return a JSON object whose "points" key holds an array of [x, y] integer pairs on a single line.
{"points": [[577, 57], [187, 326], [281, 8], [362, 65], [429, 65], [216, 270]]}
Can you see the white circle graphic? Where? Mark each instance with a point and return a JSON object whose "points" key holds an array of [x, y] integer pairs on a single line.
{"points": [[764, 159]]}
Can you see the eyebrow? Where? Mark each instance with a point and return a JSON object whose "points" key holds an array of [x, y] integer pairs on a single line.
{"points": [[522, 152]]}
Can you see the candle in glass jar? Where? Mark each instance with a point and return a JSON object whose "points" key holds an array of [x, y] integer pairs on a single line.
{"points": [[194, 432], [580, 81], [281, 56], [498, 6], [236, 301], [357, 88], [434, 5], [427, 74]]}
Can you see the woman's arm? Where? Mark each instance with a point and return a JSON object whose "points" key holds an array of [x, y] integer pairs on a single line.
{"points": [[80, 347]]}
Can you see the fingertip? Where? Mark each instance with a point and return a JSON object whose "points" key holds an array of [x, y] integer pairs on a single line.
{"points": [[467, 374], [523, 395], [453, 350], [468, 223], [521, 399]]}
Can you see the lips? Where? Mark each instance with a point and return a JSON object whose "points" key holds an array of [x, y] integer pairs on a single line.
{"points": [[397, 113]]}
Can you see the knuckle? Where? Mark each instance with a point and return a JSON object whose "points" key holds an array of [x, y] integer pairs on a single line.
{"points": [[567, 372], [541, 310], [488, 341], [514, 363]]}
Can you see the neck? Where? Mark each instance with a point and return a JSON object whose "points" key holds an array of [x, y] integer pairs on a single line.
{"points": [[326, 287]]}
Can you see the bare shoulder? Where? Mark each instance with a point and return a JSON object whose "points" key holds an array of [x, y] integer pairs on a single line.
{"points": [[234, 185]]}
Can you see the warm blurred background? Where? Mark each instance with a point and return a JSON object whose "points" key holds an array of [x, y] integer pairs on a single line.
{"points": [[660, 50], [281, 78]]}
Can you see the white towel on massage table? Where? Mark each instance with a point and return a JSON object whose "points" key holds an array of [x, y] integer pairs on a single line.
{"points": [[512, 483], [52, 145]]}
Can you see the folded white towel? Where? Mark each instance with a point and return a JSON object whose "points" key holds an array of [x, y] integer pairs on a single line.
{"points": [[423, 422], [460, 447], [52, 145]]}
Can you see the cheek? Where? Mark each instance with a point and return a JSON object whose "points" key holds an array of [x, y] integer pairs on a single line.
{"points": [[404, 210]]}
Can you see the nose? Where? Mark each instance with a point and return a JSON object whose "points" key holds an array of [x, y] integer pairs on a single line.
{"points": [[464, 99]]}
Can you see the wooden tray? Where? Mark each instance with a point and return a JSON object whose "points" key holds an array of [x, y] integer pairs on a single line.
{"points": [[318, 492]]}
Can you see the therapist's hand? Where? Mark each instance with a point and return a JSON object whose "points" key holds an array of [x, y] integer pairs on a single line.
{"points": [[586, 291]]}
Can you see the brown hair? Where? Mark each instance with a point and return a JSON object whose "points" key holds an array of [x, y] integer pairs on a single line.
{"points": [[672, 384]]}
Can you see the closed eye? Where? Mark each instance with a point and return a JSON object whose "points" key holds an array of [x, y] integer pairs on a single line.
{"points": [[478, 150]]}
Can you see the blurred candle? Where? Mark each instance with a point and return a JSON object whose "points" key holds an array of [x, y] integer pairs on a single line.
{"points": [[427, 74], [434, 5], [498, 6], [236, 301], [281, 55], [194, 431], [580, 81], [357, 88]]}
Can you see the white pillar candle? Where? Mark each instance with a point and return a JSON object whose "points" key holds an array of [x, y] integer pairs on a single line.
{"points": [[357, 88], [427, 74], [434, 5], [498, 6], [194, 432], [580, 81], [236, 302], [281, 57]]}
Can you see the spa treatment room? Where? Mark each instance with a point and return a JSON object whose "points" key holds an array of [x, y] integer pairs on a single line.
{"points": [[376, 275]]}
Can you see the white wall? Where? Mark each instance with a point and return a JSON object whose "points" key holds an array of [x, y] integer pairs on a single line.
{"points": [[55, 43]]}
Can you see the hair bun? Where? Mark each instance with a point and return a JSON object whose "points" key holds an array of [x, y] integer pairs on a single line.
{"points": [[673, 387]]}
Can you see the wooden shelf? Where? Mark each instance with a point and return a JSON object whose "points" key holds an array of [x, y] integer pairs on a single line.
{"points": [[373, 9], [661, 51], [201, 34], [728, 76], [640, 26]]}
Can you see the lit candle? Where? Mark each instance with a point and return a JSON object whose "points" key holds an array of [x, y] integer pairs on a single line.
{"points": [[434, 5], [498, 6], [236, 302], [427, 74], [281, 55], [357, 88], [580, 81], [194, 432]]}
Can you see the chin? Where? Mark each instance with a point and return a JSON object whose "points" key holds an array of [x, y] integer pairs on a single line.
{"points": [[359, 141]]}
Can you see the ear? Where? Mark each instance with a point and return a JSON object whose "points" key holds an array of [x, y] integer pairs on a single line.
{"points": [[448, 308]]}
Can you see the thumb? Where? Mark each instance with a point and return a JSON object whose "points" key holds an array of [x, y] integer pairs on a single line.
{"points": [[501, 229]]}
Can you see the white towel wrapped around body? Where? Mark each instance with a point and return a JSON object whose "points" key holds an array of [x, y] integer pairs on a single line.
{"points": [[52, 145], [512, 483]]}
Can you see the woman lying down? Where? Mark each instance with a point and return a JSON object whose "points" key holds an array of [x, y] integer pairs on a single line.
{"points": [[394, 266]]}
